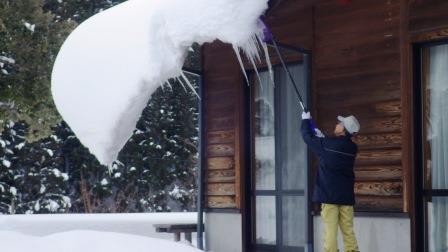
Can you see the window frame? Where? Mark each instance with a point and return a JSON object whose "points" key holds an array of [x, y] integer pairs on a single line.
{"points": [[251, 192], [422, 194]]}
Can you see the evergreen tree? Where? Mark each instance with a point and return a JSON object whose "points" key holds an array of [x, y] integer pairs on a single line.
{"points": [[155, 172], [12, 141], [77, 10], [85, 173], [162, 154], [40, 178], [29, 42], [50, 171]]}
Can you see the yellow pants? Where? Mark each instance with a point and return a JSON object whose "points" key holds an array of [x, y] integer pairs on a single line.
{"points": [[342, 216]]}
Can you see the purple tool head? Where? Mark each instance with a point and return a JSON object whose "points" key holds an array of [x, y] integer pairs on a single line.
{"points": [[267, 34]]}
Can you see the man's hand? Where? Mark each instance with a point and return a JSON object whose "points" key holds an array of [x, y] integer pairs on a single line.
{"points": [[306, 115], [319, 133]]}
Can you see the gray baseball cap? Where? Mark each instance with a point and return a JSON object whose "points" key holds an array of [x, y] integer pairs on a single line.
{"points": [[351, 124]]}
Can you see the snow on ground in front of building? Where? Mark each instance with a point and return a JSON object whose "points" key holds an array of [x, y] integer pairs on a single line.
{"points": [[21, 232], [130, 223], [110, 65], [86, 241]]}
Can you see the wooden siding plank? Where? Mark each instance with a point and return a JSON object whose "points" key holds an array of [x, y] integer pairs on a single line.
{"points": [[372, 141], [220, 176], [438, 34], [361, 66], [378, 157], [329, 8], [225, 97], [382, 203], [220, 123], [220, 189], [370, 126], [219, 150], [226, 107], [223, 136], [220, 111], [373, 79], [365, 111], [357, 57], [218, 84], [337, 104], [379, 188], [427, 15], [378, 173], [220, 163], [220, 201]]}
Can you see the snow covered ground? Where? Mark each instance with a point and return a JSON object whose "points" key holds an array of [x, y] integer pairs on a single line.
{"points": [[91, 232], [86, 241]]}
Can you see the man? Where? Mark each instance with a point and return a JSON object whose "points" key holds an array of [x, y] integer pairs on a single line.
{"points": [[334, 188]]}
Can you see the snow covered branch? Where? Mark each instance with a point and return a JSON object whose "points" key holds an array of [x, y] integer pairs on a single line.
{"points": [[9, 107]]}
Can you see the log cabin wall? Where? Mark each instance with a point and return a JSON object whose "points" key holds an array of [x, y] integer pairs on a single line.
{"points": [[224, 120], [427, 16], [357, 71], [224, 167], [223, 93], [361, 66]]}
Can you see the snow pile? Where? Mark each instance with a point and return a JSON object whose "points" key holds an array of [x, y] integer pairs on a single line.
{"points": [[136, 223], [84, 240], [111, 64]]}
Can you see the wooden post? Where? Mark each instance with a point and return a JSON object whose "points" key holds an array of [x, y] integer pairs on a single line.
{"points": [[188, 236], [176, 236]]}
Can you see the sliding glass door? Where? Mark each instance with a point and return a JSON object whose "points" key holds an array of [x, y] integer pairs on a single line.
{"points": [[434, 145], [278, 194]]}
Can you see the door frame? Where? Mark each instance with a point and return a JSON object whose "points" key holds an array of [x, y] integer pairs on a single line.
{"points": [[249, 211], [421, 194]]}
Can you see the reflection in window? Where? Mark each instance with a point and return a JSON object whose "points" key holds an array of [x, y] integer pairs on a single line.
{"points": [[264, 134], [265, 220], [437, 137], [294, 220]]}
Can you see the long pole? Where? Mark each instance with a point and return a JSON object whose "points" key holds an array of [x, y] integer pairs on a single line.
{"points": [[282, 60], [289, 74]]}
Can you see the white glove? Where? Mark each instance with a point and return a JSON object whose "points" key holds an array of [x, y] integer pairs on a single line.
{"points": [[319, 133], [306, 115]]}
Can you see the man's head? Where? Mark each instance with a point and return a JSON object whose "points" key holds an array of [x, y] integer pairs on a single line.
{"points": [[346, 126]]}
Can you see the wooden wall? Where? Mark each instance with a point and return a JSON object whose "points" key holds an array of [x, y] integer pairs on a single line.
{"points": [[428, 15], [224, 156], [357, 71], [361, 66], [223, 126]]}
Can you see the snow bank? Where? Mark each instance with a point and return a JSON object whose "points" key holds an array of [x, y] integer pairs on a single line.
{"points": [[85, 240], [136, 223], [110, 65]]}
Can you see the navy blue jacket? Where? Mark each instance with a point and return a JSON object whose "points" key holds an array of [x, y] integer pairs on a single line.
{"points": [[335, 176]]}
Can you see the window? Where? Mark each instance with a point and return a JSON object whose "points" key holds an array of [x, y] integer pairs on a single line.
{"points": [[433, 145], [279, 166]]}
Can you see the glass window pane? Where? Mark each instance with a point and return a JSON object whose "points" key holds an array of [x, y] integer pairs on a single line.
{"points": [[437, 125], [293, 154], [265, 220], [264, 133], [437, 224], [294, 220]]}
